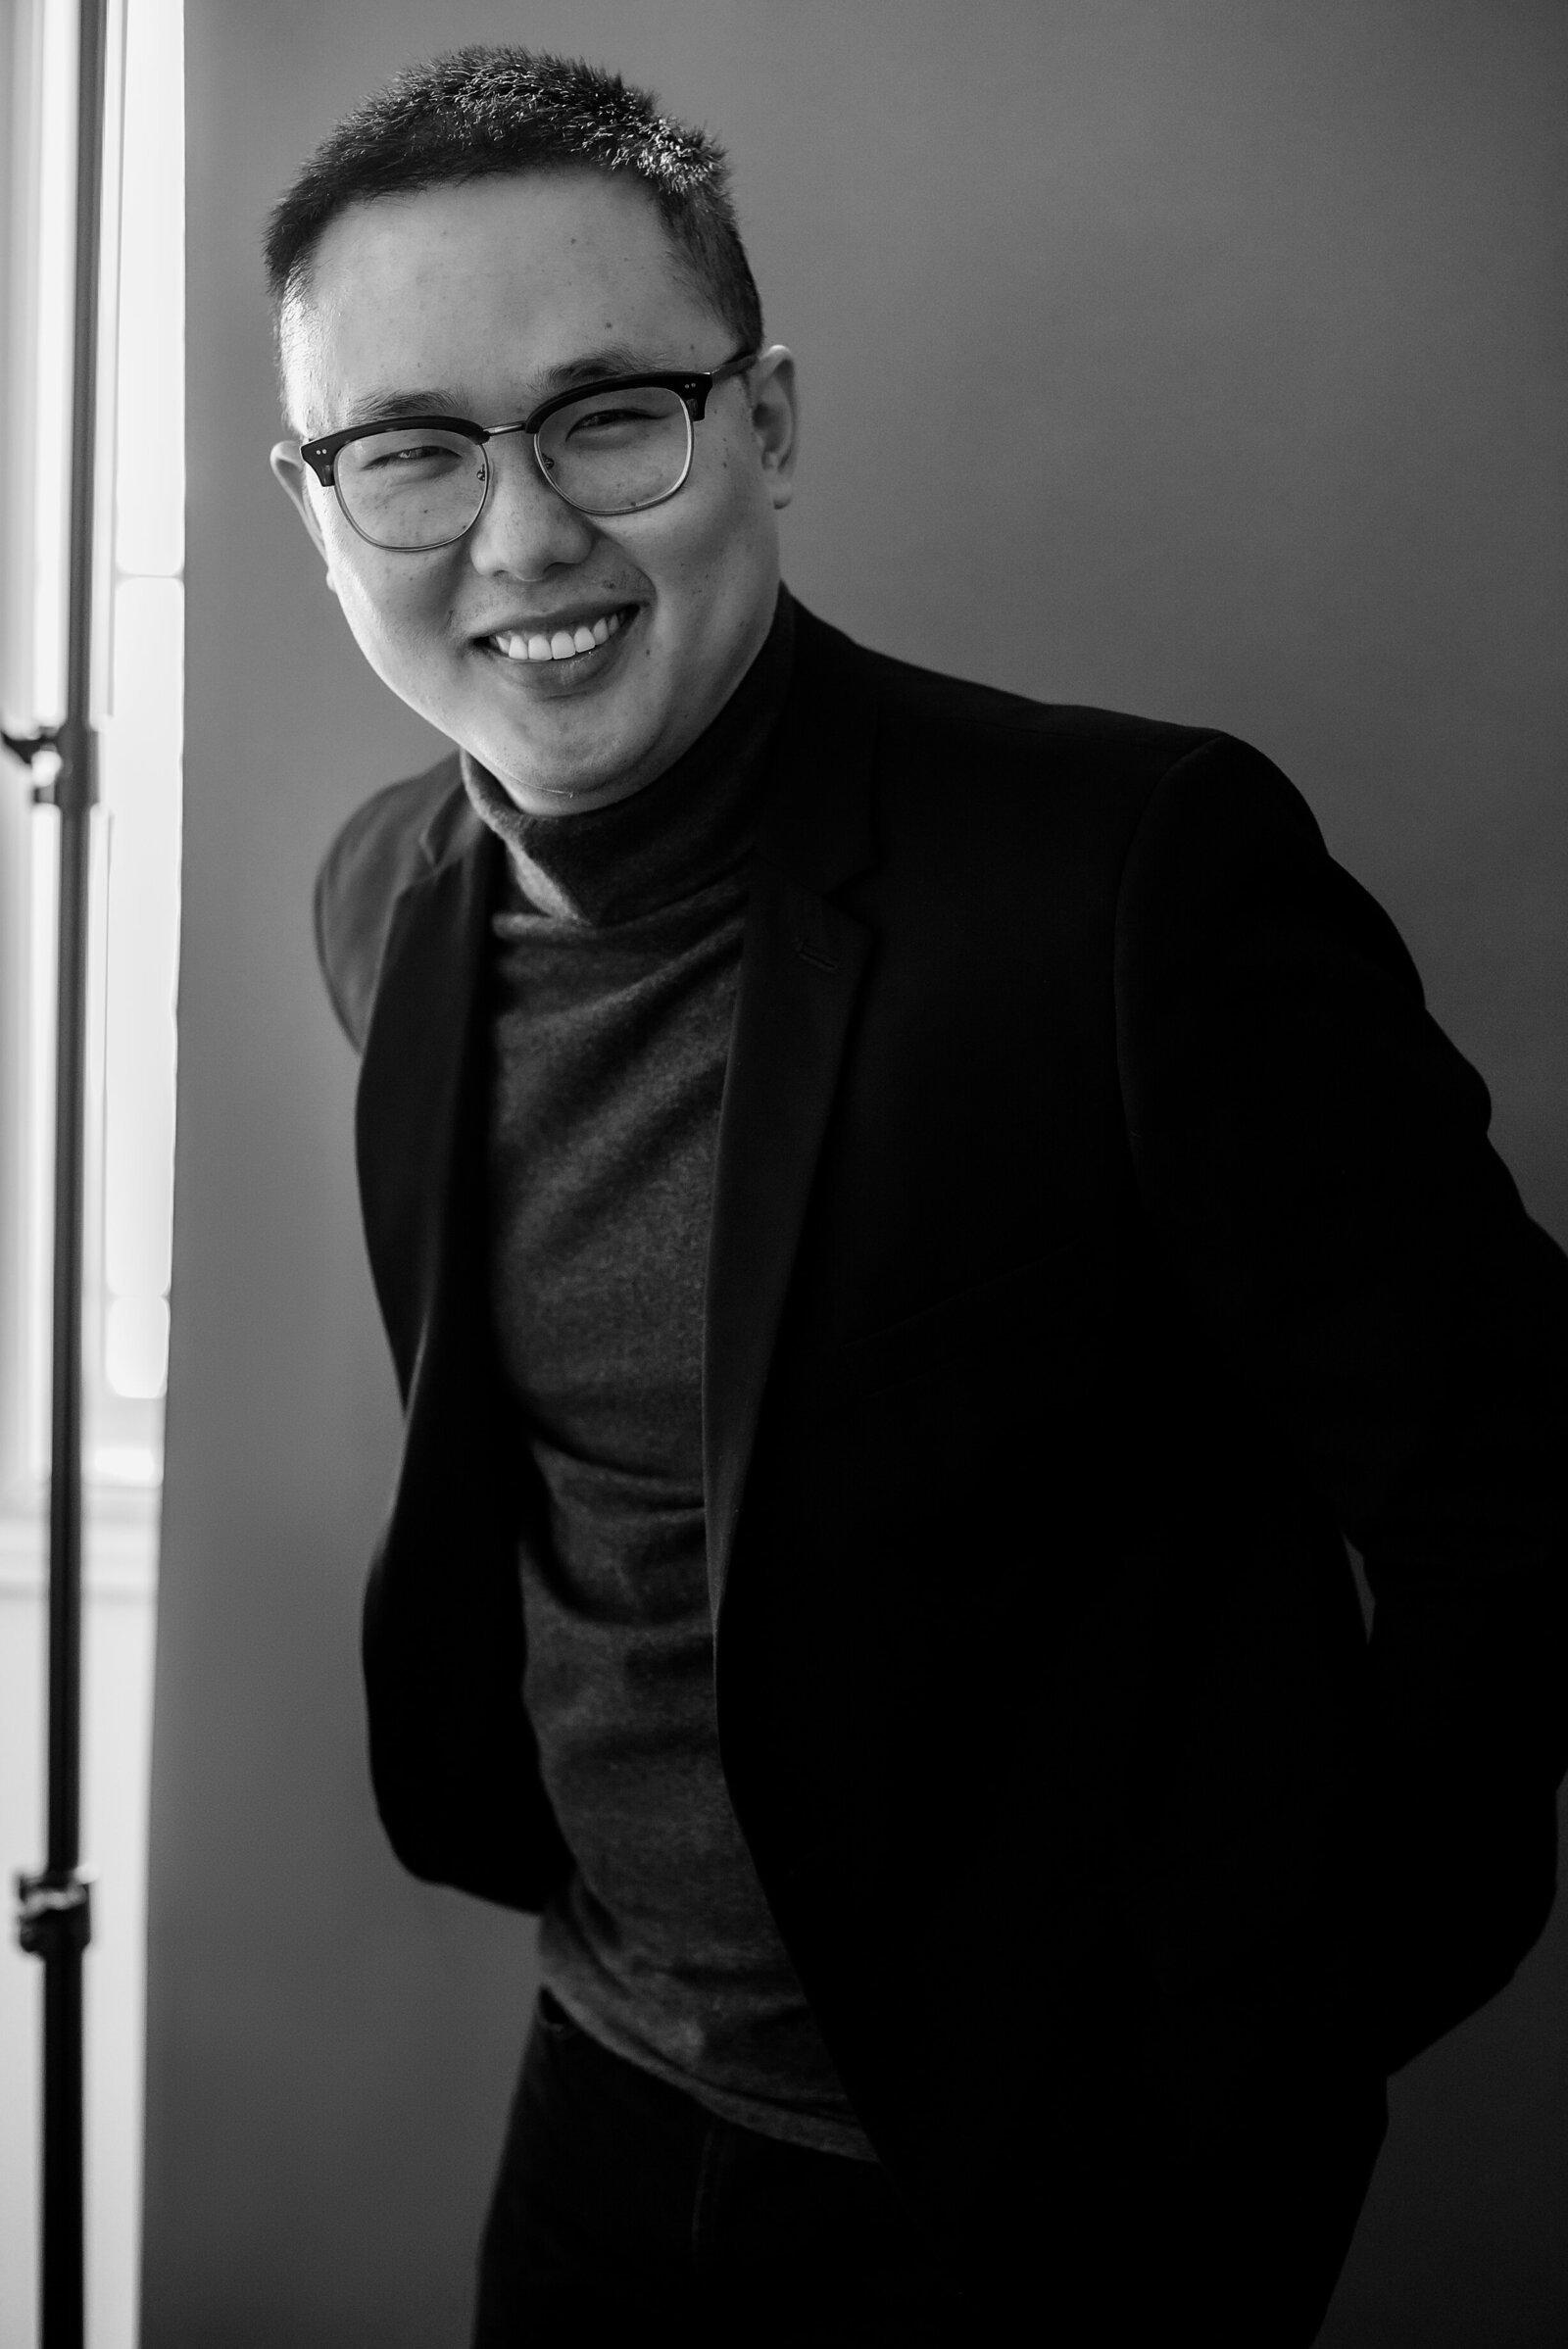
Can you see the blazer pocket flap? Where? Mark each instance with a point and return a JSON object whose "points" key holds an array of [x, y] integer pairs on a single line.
{"points": [[1017, 1321]]}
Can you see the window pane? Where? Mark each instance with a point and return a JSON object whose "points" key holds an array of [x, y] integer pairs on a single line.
{"points": [[149, 472], [142, 801]]}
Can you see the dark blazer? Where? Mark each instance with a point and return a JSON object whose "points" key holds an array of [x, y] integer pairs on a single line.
{"points": [[1102, 1233]]}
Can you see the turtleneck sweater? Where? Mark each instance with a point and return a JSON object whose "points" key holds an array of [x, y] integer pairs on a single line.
{"points": [[615, 963]]}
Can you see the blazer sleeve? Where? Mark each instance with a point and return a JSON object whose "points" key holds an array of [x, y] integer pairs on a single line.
{"points": [[1312, 1155]]}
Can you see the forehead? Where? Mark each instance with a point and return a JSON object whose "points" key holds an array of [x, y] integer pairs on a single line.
{"points": [[489, 288]]}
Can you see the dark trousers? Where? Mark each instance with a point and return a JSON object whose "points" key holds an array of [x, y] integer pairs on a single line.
{"points": [[624, 2212]]}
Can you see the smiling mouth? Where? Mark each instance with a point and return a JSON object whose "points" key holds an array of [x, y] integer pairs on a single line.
{"points": [[564, 643]]}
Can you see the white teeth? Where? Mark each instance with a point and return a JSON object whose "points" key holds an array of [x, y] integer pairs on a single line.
{"points": [[565, 645]]}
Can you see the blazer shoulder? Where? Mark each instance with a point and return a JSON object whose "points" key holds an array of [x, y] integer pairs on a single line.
{"points": [[389, 841], [967, 777], [1226, 844], [931, 722], [1030, 777]]}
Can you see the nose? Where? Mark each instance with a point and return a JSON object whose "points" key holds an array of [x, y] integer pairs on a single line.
{"points": [[526, 529]]}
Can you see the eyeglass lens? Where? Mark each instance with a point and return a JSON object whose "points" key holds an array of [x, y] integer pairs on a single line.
{"points": [[606, 454]]}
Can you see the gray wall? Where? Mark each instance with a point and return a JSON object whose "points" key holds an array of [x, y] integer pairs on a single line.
{"points": [[1203, 357]]}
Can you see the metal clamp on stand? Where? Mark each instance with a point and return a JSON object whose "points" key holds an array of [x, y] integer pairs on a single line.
{"points": [[27, 747], [30, 749], [54, 1913]]}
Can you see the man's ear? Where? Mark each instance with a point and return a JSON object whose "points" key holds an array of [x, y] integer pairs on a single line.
{"points": [[775, 418], [293, 477]]}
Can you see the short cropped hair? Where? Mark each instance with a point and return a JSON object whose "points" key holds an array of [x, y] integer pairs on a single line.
{"points": [[484, 113]]}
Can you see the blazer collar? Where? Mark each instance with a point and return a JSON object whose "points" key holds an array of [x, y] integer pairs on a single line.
{"points": [[454, 829], [816, 826]]}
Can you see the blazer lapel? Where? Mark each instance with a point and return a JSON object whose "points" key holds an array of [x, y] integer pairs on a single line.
{"points": [[417, 1052], [801, 969]]}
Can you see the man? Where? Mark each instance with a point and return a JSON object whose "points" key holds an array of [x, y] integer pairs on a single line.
{"points": [[912, 1225]]}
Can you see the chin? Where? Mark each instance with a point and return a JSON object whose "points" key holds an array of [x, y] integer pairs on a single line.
{"points": [[541, 778]]}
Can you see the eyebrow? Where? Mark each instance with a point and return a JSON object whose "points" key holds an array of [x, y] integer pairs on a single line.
{"points": [[613, 359]]}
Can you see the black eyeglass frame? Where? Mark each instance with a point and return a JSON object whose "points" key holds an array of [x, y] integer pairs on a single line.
{"points": [[693, 385]]}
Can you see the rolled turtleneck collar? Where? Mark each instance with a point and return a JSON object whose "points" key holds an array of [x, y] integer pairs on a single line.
{"points": [[684, 830]]}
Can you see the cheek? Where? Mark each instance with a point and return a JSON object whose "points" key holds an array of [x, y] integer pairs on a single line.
{"points": [[388, 610], [723, 541]]}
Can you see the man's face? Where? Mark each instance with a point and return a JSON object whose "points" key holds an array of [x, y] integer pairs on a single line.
{"points": [[483, 300]]}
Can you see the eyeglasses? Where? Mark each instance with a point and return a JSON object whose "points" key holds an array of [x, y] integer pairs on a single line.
{"points": [[611, 447]]}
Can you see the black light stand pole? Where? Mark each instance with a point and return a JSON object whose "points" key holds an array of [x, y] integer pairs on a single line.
{"points": [[54, 1918]]}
